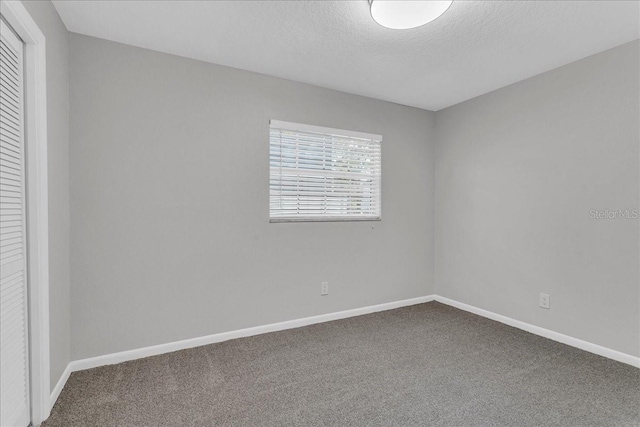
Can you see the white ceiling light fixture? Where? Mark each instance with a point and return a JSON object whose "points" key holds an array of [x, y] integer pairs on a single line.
{"points": [[405, 14]]}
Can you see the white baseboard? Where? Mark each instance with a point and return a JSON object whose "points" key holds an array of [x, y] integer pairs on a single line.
{"points": [[555, 336], [123, 356], [55, 393], [110, 359]]}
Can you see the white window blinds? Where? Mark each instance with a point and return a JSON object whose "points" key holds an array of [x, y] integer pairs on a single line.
{"points": [[323, 174]]}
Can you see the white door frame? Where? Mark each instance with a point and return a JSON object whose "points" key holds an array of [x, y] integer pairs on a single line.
{"points": [[35, 83]]}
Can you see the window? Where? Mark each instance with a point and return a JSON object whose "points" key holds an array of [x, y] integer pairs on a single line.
{"points": [[322, 174]]}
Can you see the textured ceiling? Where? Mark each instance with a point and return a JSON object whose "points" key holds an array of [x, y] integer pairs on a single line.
{"points": [[474, 48]]}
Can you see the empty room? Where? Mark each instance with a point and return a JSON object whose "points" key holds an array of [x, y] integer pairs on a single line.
{"points": [[319, 213]]}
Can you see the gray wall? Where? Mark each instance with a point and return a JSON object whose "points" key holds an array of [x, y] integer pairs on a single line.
{"points": [[518, 171], [169, 183], [44, 14]]}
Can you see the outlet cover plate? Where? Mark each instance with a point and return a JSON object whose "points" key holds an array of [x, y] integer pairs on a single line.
{"points": [[544, 301], [324, 288]]}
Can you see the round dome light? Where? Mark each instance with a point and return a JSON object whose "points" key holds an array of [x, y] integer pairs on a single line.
{"points": [[404, 14]]}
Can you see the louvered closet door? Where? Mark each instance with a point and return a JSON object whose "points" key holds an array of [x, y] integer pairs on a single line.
{"points": [[14, 400]]}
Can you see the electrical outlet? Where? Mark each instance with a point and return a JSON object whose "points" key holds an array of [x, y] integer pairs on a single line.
{"points": [[544, 301], [324, 288]]}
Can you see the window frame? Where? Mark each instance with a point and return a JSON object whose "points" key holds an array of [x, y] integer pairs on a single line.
{"points": [[300, 127]]}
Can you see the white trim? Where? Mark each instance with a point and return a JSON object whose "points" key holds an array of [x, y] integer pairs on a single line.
{"points": [[300, 127], [55, 393], [17, 16], [123, 356], [546, 333]]}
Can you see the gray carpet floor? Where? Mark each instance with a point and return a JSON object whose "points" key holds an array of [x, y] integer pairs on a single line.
{"points": [[425, 365]]}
